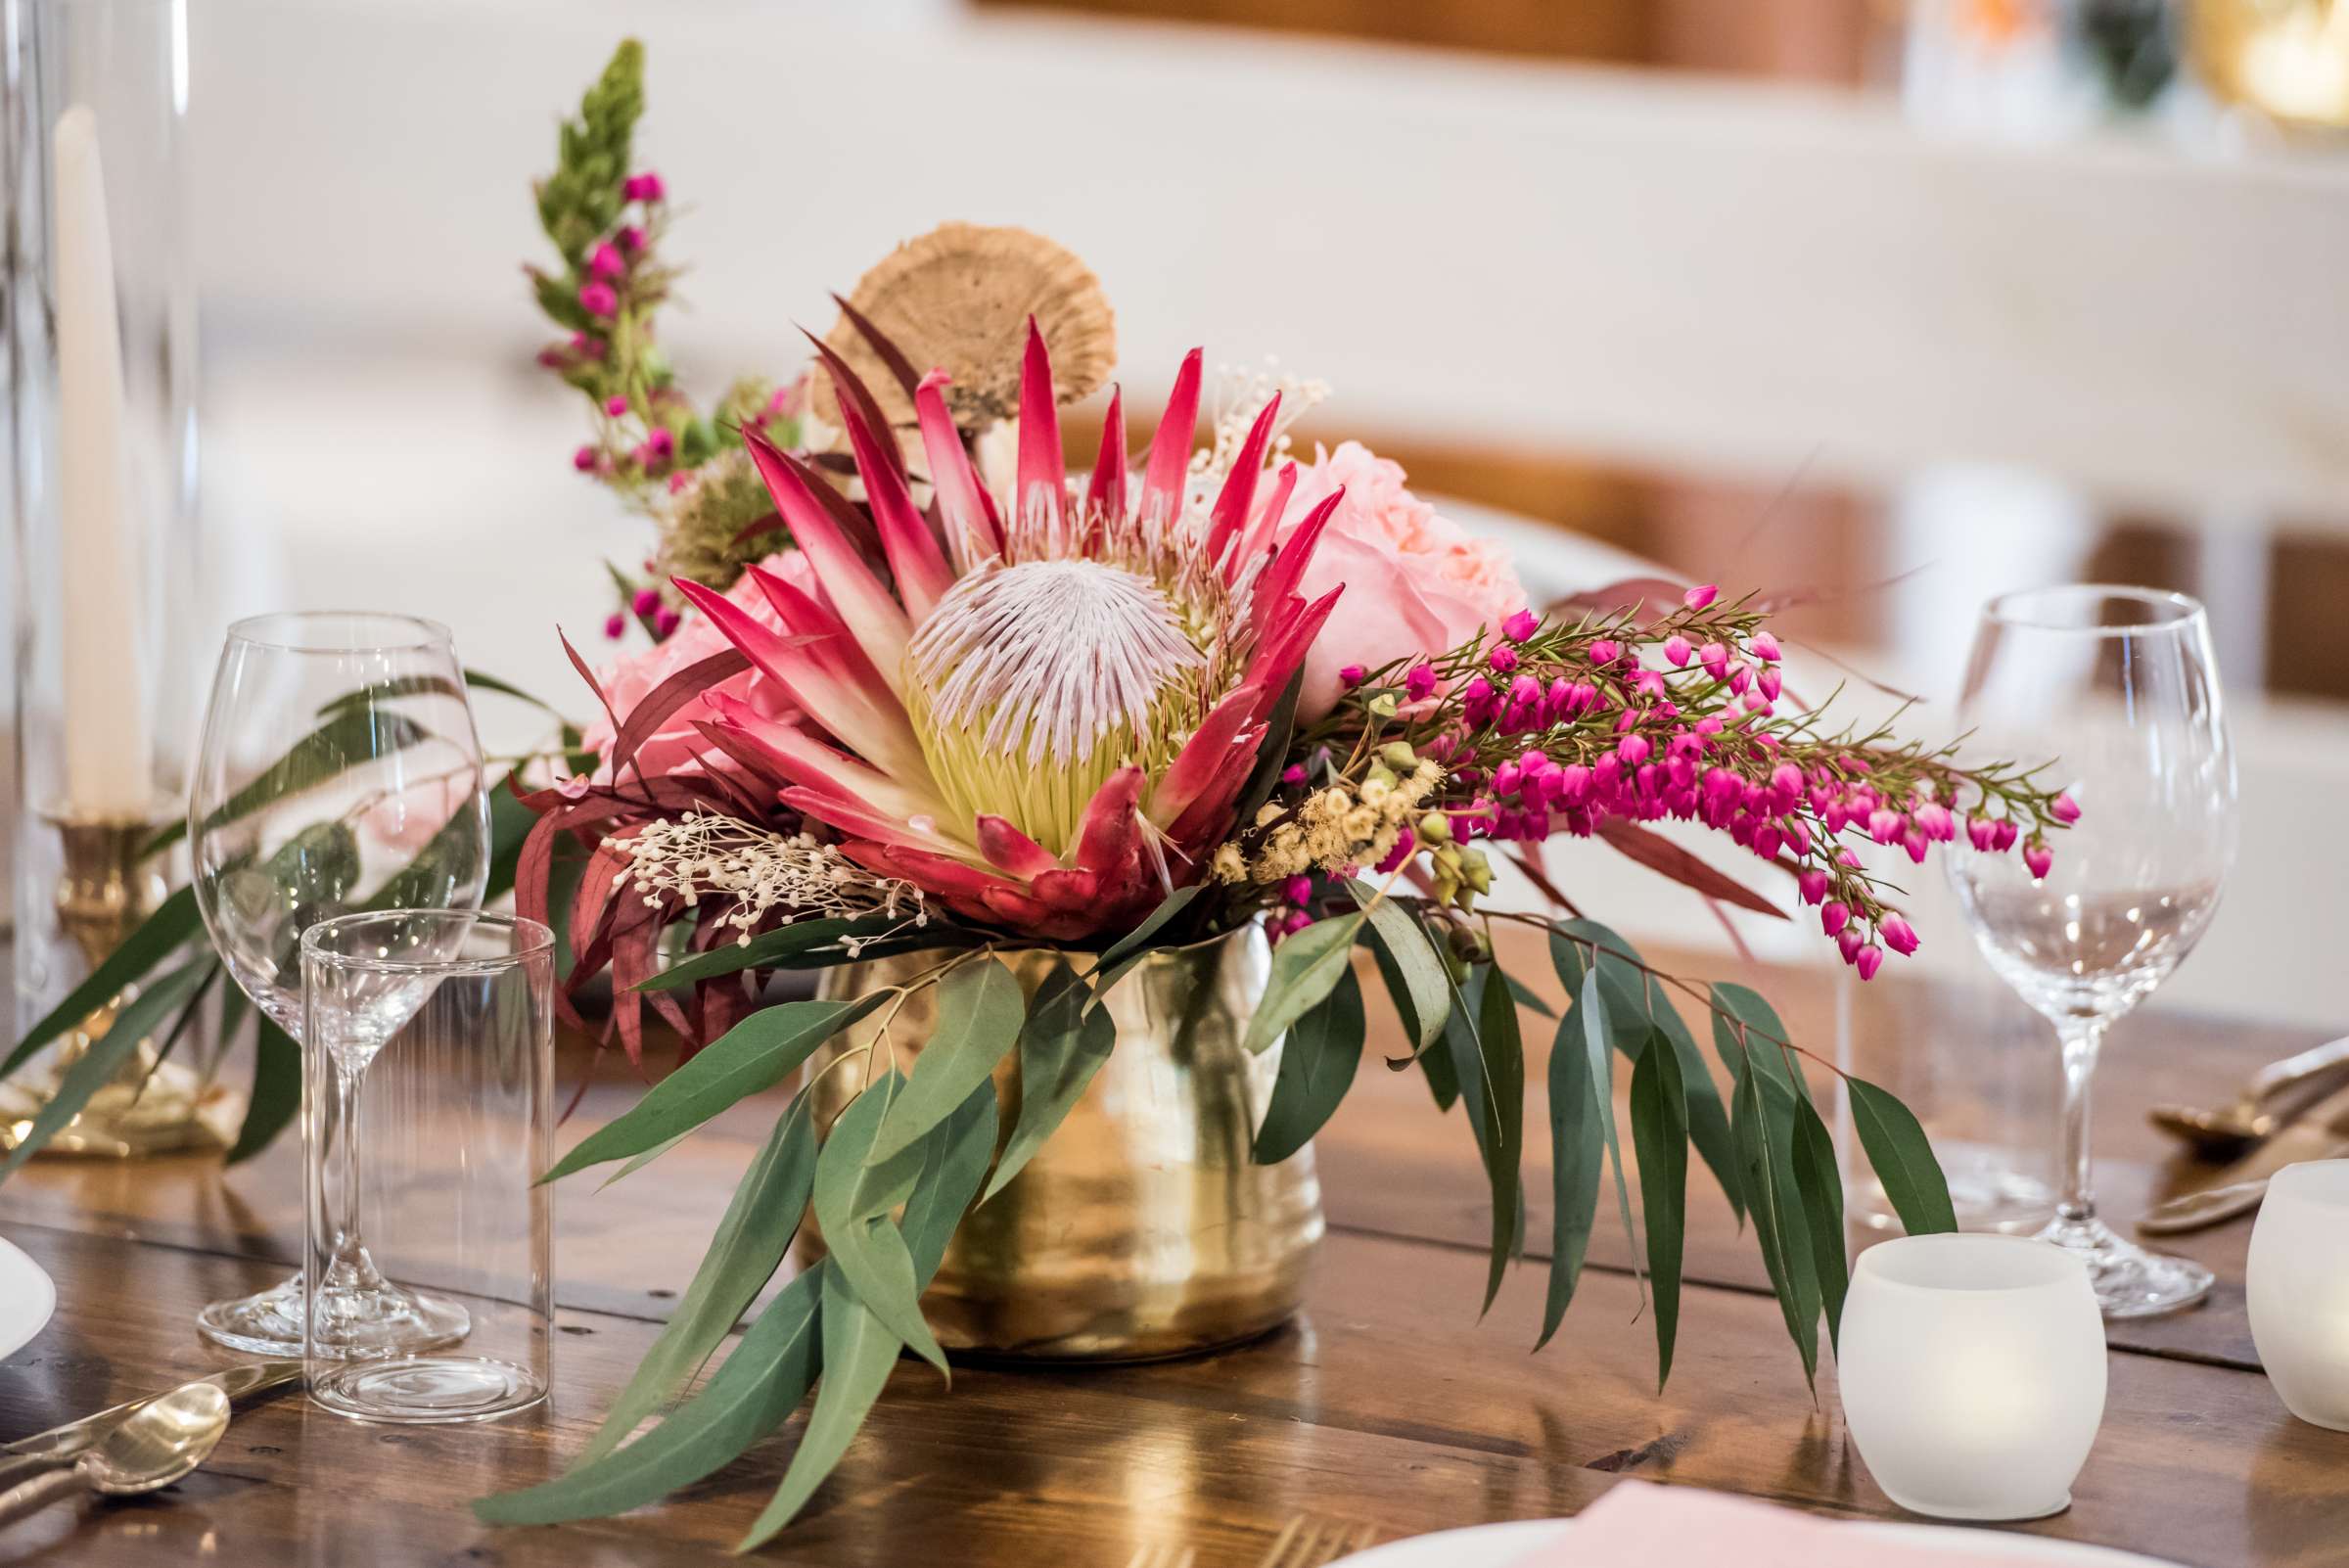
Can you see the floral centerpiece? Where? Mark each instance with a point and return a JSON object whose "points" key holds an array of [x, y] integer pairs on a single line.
{"points": [[1042, 771], [921, 695]]}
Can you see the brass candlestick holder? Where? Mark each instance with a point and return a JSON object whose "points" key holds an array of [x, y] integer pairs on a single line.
{"points": [[150, 1106]]}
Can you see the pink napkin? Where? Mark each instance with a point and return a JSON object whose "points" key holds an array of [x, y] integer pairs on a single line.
{"points": [[1641, 1525]]}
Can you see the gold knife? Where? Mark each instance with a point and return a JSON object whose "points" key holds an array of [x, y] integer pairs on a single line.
{"points": [[63, 1443]]}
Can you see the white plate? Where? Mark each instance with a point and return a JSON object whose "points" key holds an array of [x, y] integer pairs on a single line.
{"points": [[1505, 1546], [27, 1299]]}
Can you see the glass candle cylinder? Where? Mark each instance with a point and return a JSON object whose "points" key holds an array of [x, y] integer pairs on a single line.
{"points": [[1972, 1369], [100, 317], [1972, 1062], [428, 1119], [2298, 1289]]}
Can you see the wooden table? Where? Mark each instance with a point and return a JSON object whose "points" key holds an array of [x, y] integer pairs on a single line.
{"points": [[1387, 1401]]}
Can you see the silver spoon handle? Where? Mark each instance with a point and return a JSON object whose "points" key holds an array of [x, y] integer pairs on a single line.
{"points": [[37, 1494]]}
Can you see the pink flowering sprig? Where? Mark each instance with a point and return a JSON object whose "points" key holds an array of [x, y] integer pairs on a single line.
{"points": [[606, 220], [1588, 726]]}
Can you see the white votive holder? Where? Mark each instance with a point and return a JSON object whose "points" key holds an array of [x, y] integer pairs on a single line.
{"points": [[1972, 1369], [2299, 1290]]}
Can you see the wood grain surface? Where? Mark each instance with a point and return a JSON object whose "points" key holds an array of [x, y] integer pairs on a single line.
{"points": [[1387, 1401]]}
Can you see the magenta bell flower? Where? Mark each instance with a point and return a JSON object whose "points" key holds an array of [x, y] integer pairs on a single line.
{"points": [[1898, 935], [1833, 916], [1868, 961], [2039, 859]]}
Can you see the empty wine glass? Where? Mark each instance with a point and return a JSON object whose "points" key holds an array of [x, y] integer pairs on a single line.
{"points": [[339, 771], [2119, 687]]}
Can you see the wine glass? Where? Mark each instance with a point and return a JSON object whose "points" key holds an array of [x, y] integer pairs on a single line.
{"points": [[2119, 687], [339, 771]]}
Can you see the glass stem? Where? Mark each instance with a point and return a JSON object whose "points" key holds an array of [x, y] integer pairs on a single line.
{"points": [[2082, 1039], [351, 1267]]}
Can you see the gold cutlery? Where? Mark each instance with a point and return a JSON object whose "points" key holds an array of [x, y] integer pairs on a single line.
{"points": [[2213, 1206], [2232, 1130], [62, 1443], [162, 1440], [1312, 1542]]}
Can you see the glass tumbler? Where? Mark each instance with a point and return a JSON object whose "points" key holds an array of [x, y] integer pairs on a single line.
{"points": [[426, 1120]]}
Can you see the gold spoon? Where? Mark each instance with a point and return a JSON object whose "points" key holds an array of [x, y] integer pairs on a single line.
{"points": [[2212, 1206], [2232, 1130], [166, 1438]]}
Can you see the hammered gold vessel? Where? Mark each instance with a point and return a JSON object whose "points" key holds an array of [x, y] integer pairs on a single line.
{"points": [[1141, 1228]]}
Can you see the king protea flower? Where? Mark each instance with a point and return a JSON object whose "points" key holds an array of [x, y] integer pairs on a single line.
{"points": [[1040, 721]]}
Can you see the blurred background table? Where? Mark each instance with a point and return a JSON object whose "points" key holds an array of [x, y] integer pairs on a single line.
{"points": [[1387, 1402]]}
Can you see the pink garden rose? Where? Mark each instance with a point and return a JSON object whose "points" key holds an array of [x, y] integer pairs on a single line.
{"points": [[677, 745], [1415, 582]]}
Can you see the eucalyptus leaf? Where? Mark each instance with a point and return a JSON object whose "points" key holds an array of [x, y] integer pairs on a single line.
{"points": [[1501, 1055], [756, 1054], [1819, 1181], [1272, 753], [506, 688], [742, 1255], [510, 823], [96, 1067], [308, 879], [1466, 1054], [1305, 969], [1660, 1141], [1409, 962], [1173, 905], [1062, 1045], [1318, 1063], [435, 873], [1766, 1165], [353, 737], [276, 1089], [1637, 1003], [773, 949], [1903, 1158], [866, 1246], [1443, 1080], [637, 1162], [1756, 1035], [379, 693], [1577, 1152], [748, 1396], [859, 1352], [161, 933], [958, 1157], [980, 1011], [1596, 1045], [1531, 999]]}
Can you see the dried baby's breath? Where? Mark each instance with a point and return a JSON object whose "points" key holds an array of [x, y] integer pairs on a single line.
{"points": [[702, 857]]}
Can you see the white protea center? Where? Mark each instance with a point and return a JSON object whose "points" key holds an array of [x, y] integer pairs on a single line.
{"points": [[1030, 684]]}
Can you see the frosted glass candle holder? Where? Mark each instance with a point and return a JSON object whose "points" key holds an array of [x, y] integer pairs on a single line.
{"points": [[1972, 1369], [2298, 1286]]}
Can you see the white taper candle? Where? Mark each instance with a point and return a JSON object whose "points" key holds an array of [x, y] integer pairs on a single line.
{"points": [[110, 743]]}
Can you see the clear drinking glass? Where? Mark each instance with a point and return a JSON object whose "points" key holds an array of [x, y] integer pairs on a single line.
{"points": [[339, 770], [447, 1018], [2119, 687]]}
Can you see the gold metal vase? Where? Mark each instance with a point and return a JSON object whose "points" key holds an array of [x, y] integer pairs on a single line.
{"points": [[1142, 1229]]}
